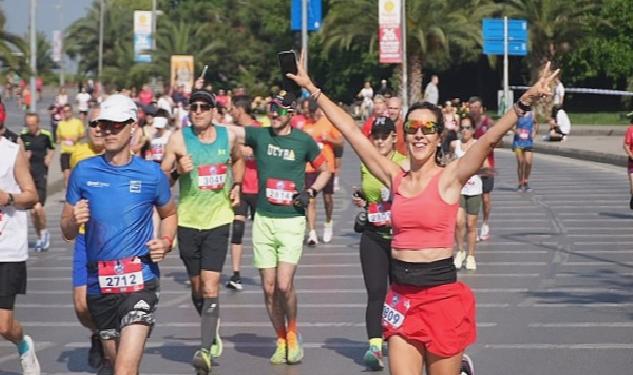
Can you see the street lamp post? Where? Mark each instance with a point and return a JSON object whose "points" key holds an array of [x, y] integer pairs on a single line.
{"points": [[33, 57], [100, 64]]}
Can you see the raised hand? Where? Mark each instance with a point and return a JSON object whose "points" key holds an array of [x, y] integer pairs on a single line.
{"points": [[301, 78], [542, 87]]}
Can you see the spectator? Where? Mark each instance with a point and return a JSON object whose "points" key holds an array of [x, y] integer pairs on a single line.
{"points": [[432, 93], [559, 125]]}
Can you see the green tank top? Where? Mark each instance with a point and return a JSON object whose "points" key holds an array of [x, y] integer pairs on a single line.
{"points": [[378, 197], [204, 192]]}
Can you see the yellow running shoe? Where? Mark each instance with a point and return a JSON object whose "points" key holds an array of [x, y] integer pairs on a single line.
{"points": [[279, 356], [202, 362], [295, 348]]}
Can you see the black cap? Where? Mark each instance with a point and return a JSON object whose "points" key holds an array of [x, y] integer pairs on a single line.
{"points": [[202, 95], [382, 125]]}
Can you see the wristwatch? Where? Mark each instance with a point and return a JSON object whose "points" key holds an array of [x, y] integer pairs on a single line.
{"points": [[312, 192], [10, 201]]}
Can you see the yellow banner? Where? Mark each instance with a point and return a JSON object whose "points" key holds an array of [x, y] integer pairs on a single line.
{"points": [[182, 72]]}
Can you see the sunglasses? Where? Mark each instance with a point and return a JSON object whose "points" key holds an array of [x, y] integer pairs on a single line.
{"points": [[195, 107], [112, 126], [466, 128], [428, 127], [382, 137]]}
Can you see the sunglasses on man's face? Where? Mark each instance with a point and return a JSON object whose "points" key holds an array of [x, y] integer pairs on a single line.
{"points": [[466, 128], [113, 127], [381, 137], [428, 127], [195, 107]]}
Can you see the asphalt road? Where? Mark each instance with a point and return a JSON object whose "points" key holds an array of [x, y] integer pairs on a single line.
{"points": [[553, 286]]}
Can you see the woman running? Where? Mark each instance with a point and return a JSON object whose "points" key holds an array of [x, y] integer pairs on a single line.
{"points": [[470, 200], [522, 145], [375, 242], [428, 317]]}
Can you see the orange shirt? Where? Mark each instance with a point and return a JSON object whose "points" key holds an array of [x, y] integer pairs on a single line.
{"points": [[323, 133]]}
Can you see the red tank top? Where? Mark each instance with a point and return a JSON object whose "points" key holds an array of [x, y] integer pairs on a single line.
{"points": [[424, 220]]}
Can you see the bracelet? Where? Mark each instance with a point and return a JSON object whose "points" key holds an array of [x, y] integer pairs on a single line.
{"points": [[237, 183], [11, 200], [169, 240], [523, 106], [174, 175], [316, 94], [518, 110]]}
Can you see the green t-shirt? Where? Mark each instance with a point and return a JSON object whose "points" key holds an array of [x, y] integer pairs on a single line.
{"points": [[281, 163], [378, 195]]}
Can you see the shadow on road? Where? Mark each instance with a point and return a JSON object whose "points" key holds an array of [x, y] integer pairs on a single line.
{"points": [[76, 360], [616, 215], [351, 349], [263, 346]]}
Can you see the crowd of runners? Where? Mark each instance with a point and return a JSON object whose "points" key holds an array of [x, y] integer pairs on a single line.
{"points": [[123, 154]]}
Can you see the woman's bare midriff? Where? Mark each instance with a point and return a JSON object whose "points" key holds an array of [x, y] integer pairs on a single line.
{"points": [[421, 255]]}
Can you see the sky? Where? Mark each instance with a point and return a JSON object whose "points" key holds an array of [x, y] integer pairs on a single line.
{"points": [[48, 16]]}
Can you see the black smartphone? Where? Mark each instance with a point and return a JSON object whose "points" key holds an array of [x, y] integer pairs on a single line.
{"points": [[288, 64]]}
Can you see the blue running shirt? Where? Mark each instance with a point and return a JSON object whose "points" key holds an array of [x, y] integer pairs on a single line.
{"points": [[121, 200]]}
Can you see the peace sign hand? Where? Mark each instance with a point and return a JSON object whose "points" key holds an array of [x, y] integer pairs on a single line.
{"points": [[542, 87], [301, 78]]}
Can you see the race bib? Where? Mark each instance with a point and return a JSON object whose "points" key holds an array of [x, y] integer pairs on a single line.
{"points": [[392, 317], [379, 214], [212, 176], [157, 151], [120, 276], [524, 134], [320, 144], [280, 192]]}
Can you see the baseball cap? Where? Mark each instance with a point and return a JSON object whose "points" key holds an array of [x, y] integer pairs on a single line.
{"points": [[202, 95], [382, 125], [118, 108]]}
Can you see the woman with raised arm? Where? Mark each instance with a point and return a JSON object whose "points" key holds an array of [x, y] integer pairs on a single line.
{"points": [[428, 317]]}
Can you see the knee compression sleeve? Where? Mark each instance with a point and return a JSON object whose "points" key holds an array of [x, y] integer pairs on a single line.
{"points": [[238, 232]]}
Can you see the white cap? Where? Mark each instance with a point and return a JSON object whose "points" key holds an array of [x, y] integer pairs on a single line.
{"points": [[118, 108], [159, 122]]}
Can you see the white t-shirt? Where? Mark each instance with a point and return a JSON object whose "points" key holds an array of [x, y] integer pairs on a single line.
{"points": [[82, 100], [13, 221], [474, 185], [61, 99], [431, 93], [559, 93], [367, 93]]}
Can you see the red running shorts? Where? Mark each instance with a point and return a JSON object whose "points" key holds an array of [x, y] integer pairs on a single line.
{"points": [[441, 318]]}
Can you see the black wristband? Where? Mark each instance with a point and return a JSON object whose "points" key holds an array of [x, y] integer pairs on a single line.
{"points": [[174, 175], [11, 200], [524, 107], [237, 183], [312, 192]]}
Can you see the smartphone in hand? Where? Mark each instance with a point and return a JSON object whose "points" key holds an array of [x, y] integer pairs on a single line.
{"points": [[288, 64]]}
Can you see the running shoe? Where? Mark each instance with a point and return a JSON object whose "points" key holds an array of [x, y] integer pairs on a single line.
{"points": [[38, 246], [216, 347], [373, 358], [631, 203], [95, 354], [295, 348], [467, 367], [279, 356], [484, 233], [28, 359], [471, 264], [312, 238], [202, 362], [520, 189], [46, 241], [327, 231], [526, 188], [460, 255], [234, 283]]}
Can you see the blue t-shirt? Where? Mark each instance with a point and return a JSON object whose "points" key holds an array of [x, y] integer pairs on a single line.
{"points": [[523, 132], [121, 200]]}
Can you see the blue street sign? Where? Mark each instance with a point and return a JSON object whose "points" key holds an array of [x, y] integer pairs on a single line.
{"points": [[315, 15], [492, 32], [496, 48]]}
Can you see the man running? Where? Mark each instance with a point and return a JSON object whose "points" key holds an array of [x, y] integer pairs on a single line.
{"points": [[279, 226], [83, 151], [39, 149], [17, 194], [205, 155], [394, 107], [69, 131], [482, 124], [241, 112], [327, 138], [114, 195]]}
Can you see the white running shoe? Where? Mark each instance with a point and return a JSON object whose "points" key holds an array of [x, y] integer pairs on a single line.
{"points": [[327, 231], [30, 365], [471, 264], [484, 233], [467, 367], [460, 255], [312, 238]]}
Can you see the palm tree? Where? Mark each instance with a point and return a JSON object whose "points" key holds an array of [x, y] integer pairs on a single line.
{"points": [[9, 44], [554, 27], [438, 32]]}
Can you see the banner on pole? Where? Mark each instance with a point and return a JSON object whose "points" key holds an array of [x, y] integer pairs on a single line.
{"points": [[142, 35], [182, 72], [315, 15], [389, 32], [57, 46]]}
